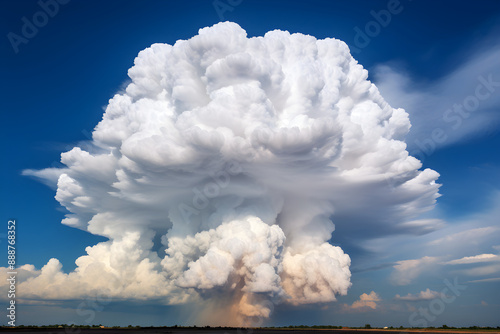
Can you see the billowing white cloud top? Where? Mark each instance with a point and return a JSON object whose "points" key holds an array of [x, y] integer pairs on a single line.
{"points": [[216, 172]]}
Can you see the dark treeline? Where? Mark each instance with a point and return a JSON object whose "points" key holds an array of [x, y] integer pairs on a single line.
{"points": [[176, 327]]}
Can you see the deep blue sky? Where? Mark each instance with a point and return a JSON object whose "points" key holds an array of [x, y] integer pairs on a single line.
{"points": [[55, 88]]}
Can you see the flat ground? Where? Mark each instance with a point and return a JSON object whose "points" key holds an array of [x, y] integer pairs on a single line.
{"points": [[163, 330]]}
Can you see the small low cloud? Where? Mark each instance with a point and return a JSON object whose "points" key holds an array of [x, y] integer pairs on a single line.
{"points": [[422, 295], [365, 303]]}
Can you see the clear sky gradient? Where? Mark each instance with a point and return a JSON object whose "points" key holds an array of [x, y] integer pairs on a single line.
{"points": [[428, 57]]}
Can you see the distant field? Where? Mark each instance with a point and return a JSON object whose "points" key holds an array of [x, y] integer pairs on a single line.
{"points": [[165, 330]]}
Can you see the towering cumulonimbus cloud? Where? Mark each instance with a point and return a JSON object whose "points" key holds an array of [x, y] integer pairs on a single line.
{"points": [[216, 173]]}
